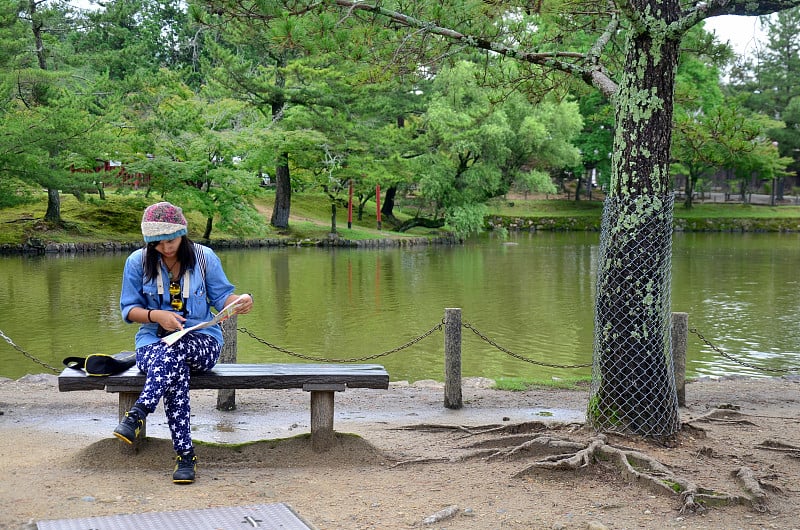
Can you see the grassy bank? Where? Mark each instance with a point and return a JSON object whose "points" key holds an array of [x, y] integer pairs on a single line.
{"points": [[586, 215], [116, 219]]}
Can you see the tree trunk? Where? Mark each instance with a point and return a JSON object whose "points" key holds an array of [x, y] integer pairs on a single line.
{"points": [[36, 27], [333, 217], [53, 213], [635, 391], [209, 227], [388, 202], [688, 190], [283, 182], [283, 194], [420, 221]]}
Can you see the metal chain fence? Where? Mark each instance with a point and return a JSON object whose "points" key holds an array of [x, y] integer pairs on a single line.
{"points": [[518, 356], [633, 381], [28, 355], [412, 342], [596, 366], [408, 344], [739, 361]]}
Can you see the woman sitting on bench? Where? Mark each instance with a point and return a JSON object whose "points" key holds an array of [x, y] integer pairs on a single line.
{"points": [[171, 283]]}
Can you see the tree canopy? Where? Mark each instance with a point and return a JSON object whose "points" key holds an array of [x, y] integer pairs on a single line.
{"points": [[628, 51]]}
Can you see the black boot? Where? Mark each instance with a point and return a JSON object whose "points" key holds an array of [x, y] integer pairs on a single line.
{"points": [[131, 425], [185, 466]]}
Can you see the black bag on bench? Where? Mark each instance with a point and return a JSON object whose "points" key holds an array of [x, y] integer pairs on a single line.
{"points": [[101, 364]]}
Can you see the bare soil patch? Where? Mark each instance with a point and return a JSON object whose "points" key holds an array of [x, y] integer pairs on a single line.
{"points": [[400, 458]]}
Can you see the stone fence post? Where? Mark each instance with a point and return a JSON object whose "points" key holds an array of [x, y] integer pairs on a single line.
{"points": [[452, 358], [226, 397], [680, 337]]}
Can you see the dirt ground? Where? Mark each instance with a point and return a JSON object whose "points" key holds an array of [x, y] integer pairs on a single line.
{"points": [[400, 459]]}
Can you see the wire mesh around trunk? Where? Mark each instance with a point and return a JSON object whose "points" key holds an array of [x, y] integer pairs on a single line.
{"points": [[633, 380]]}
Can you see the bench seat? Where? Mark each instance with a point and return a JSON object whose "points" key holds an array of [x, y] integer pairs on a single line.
{"points": [[321, 380]]}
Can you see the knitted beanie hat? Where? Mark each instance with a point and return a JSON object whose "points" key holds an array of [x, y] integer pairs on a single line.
{"points": [[163, 221]]}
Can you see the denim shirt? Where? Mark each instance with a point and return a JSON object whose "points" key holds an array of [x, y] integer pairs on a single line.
{"points": [[138, 293]]}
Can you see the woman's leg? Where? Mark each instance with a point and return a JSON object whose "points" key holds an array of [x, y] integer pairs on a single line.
{"points": [[156, 361], [168, 370], [196, 353]]}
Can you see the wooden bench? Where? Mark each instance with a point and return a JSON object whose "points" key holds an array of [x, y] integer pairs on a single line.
{"points": [[321, 380]]}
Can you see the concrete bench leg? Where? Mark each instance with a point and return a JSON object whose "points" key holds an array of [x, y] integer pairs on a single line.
{"points": [[126, 401], [322, 435]]}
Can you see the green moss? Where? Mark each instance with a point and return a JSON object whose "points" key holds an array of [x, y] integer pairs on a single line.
{"points": [[601, 415]]}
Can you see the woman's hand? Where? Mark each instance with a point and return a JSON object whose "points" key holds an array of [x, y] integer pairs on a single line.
{"points": [[244, 305], [167, 319]]}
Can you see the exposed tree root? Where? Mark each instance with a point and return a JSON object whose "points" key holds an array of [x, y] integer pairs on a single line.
{"points": [[694, 430], [478, 430], [750, 484], [434, 427], [782, 447], [556, 453], [421, 461], [543, 444], [718, 415], [638, 468]]}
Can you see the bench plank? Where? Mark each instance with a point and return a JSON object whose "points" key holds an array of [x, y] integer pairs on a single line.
{"points": [[242, 376]]}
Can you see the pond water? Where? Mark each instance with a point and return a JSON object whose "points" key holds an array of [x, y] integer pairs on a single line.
{"points": [[532, 294]]}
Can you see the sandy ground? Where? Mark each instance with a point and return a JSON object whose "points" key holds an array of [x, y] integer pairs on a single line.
{"points": [[400, 458]]}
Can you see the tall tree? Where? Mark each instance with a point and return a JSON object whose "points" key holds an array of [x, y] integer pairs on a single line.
{"points": [[631, 342], [128, 36], [770, 81], [595, 140], [250, 60], [725, 136], [53, 120], [698, 103], [192, 146], [479, 145]]}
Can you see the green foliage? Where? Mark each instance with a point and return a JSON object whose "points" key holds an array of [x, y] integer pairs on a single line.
{"points": [[14, 192], [727, 136], [478, 148], [129, 37], [193, 148], [180, 94], [767, 83], [697, 81], [466, 219]]}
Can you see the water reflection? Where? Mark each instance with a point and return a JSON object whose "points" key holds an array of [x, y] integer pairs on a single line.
{"points": [[533, 295]]}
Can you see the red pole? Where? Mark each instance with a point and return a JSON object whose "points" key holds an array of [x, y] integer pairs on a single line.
{"points": [[378, 203], [350, 207]]}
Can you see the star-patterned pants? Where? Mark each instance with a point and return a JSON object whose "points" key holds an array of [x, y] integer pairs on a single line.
{"points": [[168, 370]]}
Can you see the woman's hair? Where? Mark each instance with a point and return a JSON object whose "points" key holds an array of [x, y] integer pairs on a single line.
{"points": [[185, 256]]}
